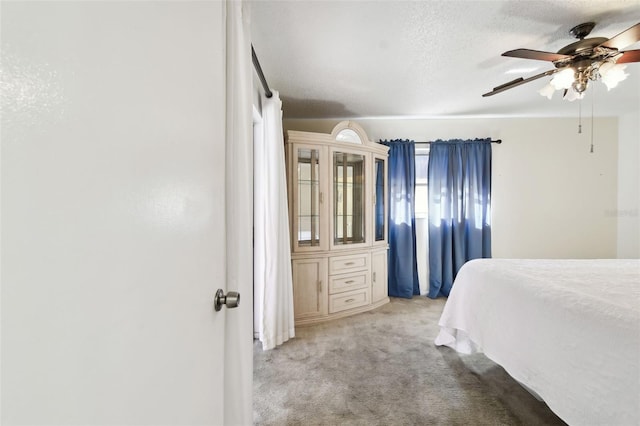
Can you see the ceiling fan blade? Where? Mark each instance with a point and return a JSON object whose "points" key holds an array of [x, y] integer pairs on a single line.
{"points": [[535, 54], [624, 39], [518, 82], [629, 56]]}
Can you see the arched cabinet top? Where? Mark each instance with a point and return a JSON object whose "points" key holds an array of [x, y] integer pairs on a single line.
{"points": [[345, 133], [350, 132]]}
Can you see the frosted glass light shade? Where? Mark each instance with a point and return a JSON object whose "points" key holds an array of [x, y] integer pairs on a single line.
{"points": [[563, 79], [611, 74], [572, 95], [547, 91]]}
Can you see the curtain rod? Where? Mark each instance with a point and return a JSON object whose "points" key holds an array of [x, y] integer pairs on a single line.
{"points": [[256, 65], [498, 141]]}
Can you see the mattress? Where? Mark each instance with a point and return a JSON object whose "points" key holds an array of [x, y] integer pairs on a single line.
{"points": [[568, 330]]}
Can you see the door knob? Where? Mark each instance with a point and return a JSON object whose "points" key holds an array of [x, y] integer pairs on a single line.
{"points": [[231, 299]]}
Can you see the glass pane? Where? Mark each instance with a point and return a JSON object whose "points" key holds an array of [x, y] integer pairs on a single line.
{"points": [[349, 199], [308, 198], [422, 181], [422, 168], [380, 201], [348, 135]]}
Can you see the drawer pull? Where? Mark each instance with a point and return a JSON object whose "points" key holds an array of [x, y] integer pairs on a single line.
{"points": [[349, 282], [349, 263], [349, 300], [319, 286], [374, 277]]}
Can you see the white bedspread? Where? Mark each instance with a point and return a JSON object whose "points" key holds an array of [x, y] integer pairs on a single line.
{"points": [[567, 329]]}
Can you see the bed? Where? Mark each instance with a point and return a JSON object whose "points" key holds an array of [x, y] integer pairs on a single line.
{"points": [[568, 330]]}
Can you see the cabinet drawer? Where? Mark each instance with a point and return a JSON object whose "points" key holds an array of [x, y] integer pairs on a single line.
{"points": [[351, 299], [345, 282], [351, 263]]}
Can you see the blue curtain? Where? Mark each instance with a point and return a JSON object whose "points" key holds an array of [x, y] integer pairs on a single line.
{"points": [[459, 209], [402, 266]]}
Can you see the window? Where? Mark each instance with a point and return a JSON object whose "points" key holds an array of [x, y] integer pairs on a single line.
{"points": [[422, 180]]}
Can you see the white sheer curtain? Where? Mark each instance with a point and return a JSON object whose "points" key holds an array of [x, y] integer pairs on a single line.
{"points": [[422, 215], [273, 285], [239, 208], [422, 253]]}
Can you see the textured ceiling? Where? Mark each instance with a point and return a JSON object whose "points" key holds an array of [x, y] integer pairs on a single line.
{"points": [[354, 59]]}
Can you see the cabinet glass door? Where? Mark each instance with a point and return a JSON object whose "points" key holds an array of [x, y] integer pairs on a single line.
{"points": [[308, 201], [348, 198], [379, 200]]}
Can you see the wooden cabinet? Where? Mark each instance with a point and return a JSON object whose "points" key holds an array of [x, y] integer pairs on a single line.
{"points": [[337, 186], [349, 286], [310, 288], [379, 286]]}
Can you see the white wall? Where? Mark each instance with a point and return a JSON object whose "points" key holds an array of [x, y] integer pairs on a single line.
{"points": [[551, 197], [628, 212]]}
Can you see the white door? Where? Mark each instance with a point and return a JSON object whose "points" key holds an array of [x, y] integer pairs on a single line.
{"points": [[113, 221]]}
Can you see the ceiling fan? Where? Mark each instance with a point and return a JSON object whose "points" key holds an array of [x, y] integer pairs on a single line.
{"points": [[579, 62]]}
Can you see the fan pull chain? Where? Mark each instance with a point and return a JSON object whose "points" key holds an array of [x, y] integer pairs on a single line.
{"points": [[593, 95], [579, 116]]}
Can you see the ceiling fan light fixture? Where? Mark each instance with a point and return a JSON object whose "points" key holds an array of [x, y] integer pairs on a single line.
{"points": [[612, 74], [548, 90], [581, 81], [563, 79], [588, 59], [572, 95]]}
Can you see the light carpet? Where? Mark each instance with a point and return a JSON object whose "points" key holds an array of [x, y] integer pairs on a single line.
{"points": [[382, 368]]}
